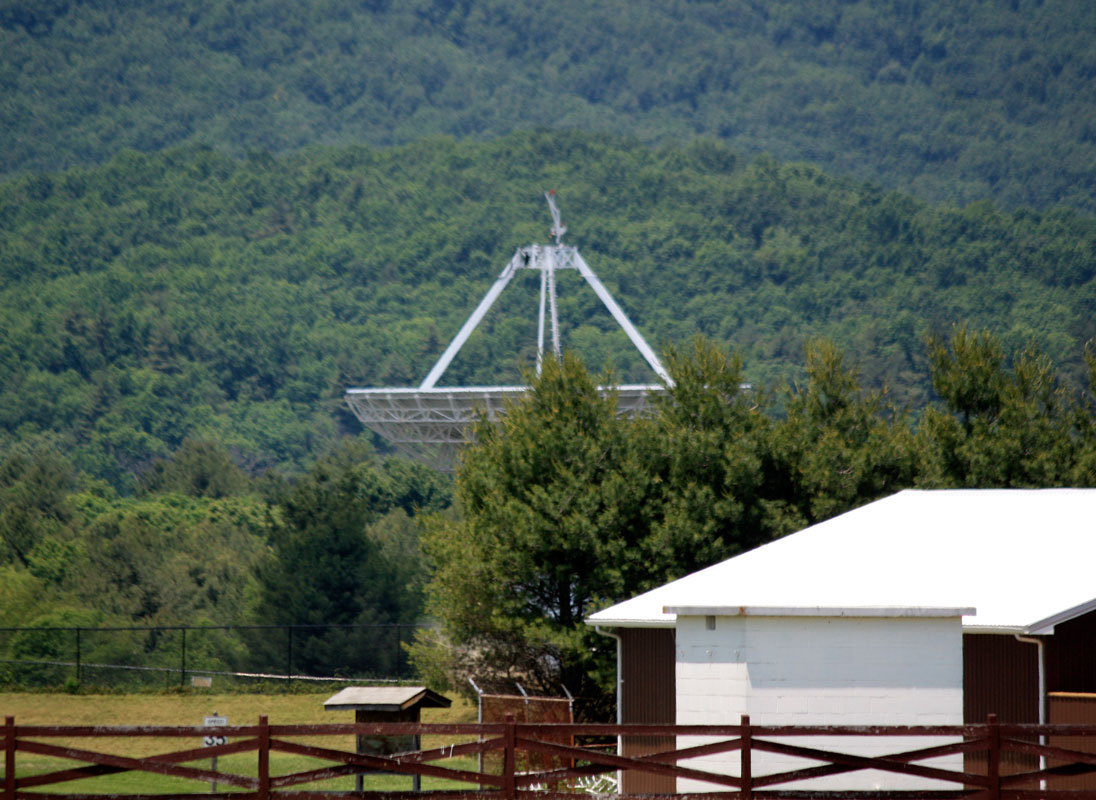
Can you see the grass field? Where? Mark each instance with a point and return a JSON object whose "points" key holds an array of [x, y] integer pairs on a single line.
{"points": [[190, 709]]}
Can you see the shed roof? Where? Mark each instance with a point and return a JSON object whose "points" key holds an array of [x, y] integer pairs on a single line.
{"points": [[1008, 559], [385, 698]]}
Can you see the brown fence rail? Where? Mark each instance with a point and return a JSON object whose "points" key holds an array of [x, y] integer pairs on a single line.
{"points": [[571, 765]]}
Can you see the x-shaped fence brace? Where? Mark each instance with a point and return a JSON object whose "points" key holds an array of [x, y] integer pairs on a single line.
{"points": [[569, 763]]}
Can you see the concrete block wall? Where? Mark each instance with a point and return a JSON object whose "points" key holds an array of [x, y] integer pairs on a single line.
{"points": [[821, 671]]}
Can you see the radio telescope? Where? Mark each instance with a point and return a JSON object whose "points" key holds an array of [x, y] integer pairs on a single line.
{"points": [[431, 424]]}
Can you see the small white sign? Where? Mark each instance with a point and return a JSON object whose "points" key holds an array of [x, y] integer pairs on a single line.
{"points": [[214, 740]]}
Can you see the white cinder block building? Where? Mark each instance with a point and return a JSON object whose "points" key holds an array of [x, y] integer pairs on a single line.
{"points": [[926, 607], [794, 666]]}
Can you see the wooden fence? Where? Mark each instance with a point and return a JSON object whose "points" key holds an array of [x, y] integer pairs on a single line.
{"points": [[568, 766]]}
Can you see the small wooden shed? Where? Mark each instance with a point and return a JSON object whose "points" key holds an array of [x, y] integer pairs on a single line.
{"points": [[386, 704]]}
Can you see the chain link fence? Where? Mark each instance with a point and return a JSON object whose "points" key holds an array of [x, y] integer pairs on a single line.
{"points": [[225, 656]]}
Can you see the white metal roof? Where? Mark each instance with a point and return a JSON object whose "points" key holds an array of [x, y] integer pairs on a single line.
{"points": [[1008, 559], [817, 611]]}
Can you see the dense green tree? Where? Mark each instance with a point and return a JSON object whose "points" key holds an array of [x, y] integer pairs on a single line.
{"points": [[1084, 469], [844, 446], [44, 642], [163, 301], [1003, 424], [330, 568], [708, 462], [169, 559], [34, 502], [551, 504], [198, 469]]}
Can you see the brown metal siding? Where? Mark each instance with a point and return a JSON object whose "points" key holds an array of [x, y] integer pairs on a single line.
{"points": [[1071, 687], [1000, 676], [1072, 707], [648, 663], [1071, 656], [647, 694]]}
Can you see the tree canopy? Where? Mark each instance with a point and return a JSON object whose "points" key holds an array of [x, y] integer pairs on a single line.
{"points": [[205, 545], [947, 101]]}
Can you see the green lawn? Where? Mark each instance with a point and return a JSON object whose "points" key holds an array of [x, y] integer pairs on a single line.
{"points": [[63, 709]]}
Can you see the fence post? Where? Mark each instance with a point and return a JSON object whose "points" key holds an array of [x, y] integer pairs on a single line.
{"points": [[264, 760], [288, 651], [509, 738], [396, 663], [182, 664], [747, 758], [401, 664], [993, 766], [77, 656], [9, 758]]}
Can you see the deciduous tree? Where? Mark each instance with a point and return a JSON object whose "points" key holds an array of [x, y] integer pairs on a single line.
{"points": [[1003, 424], [328, 570]]}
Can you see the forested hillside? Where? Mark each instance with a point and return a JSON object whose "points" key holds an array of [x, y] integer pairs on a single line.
{"points": [[947, 101], [192, 295]]}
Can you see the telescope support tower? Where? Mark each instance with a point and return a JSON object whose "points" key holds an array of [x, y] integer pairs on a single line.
{"points": [[430, 424]]}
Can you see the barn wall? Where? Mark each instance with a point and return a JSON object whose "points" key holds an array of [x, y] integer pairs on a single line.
{"points": [[1001, 676], [1071, 655], [821, 671], [1072, 708], [1071, 686], [647, 675], [647, 695]]}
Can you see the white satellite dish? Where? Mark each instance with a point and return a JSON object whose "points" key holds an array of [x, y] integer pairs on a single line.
{"points": [[431, 423]]}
